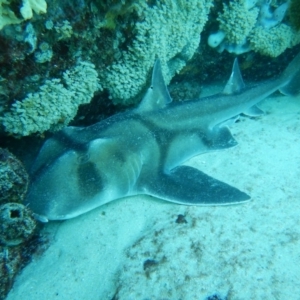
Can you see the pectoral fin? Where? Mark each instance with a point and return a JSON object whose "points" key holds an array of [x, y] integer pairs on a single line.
{"points": [[219, 138], [189, 186], [253, 111]]}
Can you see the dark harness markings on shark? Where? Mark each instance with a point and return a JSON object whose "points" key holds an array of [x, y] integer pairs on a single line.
{"points": [[141, 151]]}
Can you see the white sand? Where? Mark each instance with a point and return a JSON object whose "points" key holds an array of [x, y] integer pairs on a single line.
{"points": [[248, 251]]}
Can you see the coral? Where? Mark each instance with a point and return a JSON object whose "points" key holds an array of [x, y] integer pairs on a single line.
{"points": [[64, 30], [55, 105], [274, 41], [18, 237], [38, 6], [17, 224], [169, 30], [30, 37], [13, 178], [44, 54], [247, 25], [122, 39], [8, 17], [237, 21]]}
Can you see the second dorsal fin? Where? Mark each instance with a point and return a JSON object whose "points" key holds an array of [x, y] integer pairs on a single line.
{"points": [[235, 83]]}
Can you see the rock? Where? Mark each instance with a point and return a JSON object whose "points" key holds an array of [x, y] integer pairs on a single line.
{"points": [[10, 261], [13, 259], [13, 178]]}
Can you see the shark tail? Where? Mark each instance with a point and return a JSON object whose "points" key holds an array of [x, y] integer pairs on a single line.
{"points": [[290, 78]]}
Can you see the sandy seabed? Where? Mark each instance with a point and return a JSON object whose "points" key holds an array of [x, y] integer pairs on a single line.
{"points": [[133, 248]]}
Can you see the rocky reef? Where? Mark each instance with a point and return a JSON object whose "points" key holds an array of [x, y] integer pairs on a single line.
{"points": [[58, 56], [19, 235], [13, 178], [116, 42]]}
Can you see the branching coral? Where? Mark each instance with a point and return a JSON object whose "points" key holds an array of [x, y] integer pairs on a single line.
{"points": [[237, 20], [55, 105], [169, 30], [246, 25], [274, 41]]}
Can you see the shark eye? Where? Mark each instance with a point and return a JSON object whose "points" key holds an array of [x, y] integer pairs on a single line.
{"points": [[82, 159]]}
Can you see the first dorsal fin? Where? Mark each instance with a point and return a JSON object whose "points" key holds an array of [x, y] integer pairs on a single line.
{"points": [[235, 83], [157, 95]]}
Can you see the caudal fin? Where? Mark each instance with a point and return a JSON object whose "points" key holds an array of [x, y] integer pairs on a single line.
{"points": [[291, 78]]}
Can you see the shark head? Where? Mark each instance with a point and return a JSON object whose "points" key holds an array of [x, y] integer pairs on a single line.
{"points": [[76, 180]]}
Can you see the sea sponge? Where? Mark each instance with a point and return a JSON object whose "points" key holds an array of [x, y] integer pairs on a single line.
{"points": [[55, 105], [273, 41], [215, 39], [17, 224], [237, 20]]}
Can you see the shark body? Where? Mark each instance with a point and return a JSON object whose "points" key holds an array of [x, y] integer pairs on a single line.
{"points": [[141, 151]]}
